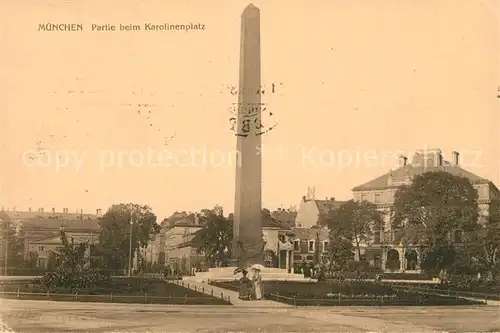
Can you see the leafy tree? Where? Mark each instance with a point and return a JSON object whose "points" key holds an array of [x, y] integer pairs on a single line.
{"points": [[215, 236], [486, 244], [15, 242], [114, 239], [72, 267], [427, 210], [355, 222], [340, 252]]}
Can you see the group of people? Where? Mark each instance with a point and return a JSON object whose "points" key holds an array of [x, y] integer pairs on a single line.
{"points": [[251, 288]]}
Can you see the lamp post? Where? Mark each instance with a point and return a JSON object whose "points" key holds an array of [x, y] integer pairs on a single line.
{"points": [[130, 247], [6, 245]]}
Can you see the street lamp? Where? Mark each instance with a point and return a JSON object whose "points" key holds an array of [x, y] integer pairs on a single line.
{"points": [[6, 245], [130, 247]]}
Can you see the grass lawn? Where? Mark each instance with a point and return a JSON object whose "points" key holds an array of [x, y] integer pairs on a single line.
{"points": [[120, 290], [347, 293]]}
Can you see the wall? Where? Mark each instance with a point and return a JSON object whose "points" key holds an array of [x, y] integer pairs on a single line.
{"points": [[179, 235], [307, 215], [271, 239]]}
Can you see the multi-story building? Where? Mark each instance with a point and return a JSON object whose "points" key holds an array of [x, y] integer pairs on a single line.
{"points": [[41, 230], [381, 191], [306, 241], [181, 254]]}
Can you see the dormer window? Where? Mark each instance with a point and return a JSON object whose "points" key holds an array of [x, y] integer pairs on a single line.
{"points": [[296, 245]]}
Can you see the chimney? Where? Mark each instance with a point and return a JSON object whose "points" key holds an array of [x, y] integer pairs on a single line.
{"points": [[29, 209], [402, 160], [98, 212], [40, 210], [53, 210], [14, 209], [455, 155], [304, 198], [65, 210]]}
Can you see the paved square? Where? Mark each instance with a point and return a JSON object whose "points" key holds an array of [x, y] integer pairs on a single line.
{"points": [[47, 316]]}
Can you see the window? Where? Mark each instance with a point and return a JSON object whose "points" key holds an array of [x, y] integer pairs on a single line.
{"points": [[296, 245], [41, 248], [41, 262], [377, 198], [311, 246], [364, 197], [325, 246]]}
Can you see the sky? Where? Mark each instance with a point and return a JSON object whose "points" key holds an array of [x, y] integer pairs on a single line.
{"points": [[355, 85]]}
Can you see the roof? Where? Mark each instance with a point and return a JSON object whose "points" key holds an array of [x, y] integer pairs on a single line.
{"points": [[22, 215], [55, 224], [409, 171], [326, 206], [273, 223], [311, 234], [286, 217]]}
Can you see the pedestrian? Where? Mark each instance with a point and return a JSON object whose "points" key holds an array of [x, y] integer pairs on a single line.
{"points": [[245, 287], [257, 284]]}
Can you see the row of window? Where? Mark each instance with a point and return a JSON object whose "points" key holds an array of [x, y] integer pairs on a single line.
{"points": [[377, 197], [311, 245]]}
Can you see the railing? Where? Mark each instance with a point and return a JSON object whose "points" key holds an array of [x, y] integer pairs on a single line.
{"points": [[201, 290], [146, 299], [449, 293]]}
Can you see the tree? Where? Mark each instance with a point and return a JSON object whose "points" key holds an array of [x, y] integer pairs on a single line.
{"points": [[215, 236], [487, 243], [15, 242], [355, 222], [427, 210], [340, 251], [71, 267], [114, 239]]}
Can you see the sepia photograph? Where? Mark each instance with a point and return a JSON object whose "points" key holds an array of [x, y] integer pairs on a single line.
{"points": [[231, 166]]}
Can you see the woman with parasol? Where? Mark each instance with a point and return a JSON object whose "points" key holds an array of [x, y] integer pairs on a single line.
{"points": [[245, 285], [257, 281]]}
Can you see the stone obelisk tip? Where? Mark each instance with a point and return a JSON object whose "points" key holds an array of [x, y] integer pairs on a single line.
{"points": [[250, 8]]}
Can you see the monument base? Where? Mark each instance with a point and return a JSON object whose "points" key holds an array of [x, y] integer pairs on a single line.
{"points": [[227, 274]]}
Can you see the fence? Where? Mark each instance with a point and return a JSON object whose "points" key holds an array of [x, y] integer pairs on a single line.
{"points": [[202, 290], [449, 293], [114, 298]]}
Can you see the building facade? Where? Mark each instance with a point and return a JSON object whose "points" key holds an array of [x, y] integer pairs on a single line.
{"points": [[383, 251], [311, 210]]}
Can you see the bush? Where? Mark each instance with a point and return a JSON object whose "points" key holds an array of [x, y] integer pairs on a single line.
{"points": [[67, 279]]}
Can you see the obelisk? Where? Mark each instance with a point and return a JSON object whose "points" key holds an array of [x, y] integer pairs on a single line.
{"points": [[248, 245]]}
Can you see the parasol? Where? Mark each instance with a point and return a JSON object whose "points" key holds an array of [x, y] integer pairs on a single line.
{"points": [[258, 267]]}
